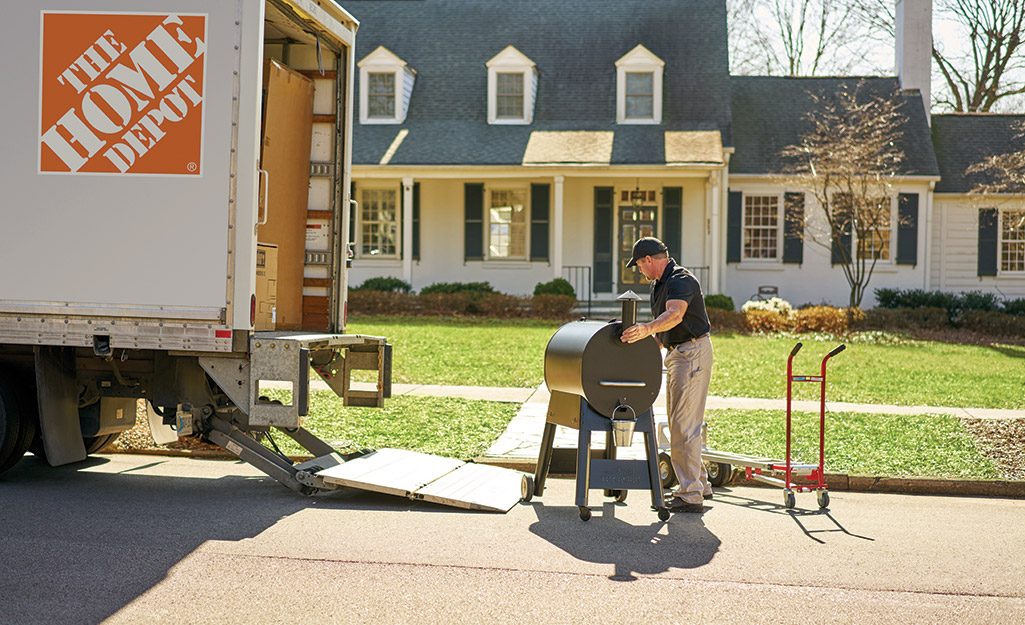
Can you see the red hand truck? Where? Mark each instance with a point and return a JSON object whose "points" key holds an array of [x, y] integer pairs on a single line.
{"points": [[720, 463]]}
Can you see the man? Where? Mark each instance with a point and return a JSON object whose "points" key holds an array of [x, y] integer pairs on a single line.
{"points": [[680, 325]]}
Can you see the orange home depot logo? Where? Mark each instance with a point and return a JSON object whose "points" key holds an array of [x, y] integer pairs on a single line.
{"points": [[122, 93]]}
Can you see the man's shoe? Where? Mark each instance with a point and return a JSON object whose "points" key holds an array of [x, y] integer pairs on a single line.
{"points": [[679, 505], [708, 496]]}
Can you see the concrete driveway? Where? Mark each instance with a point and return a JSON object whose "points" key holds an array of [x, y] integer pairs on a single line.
{"points": [[145, 539]]}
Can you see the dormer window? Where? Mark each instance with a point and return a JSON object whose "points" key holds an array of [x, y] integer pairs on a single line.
{"points": [[512, 88], [639, 87], [385, 86]]}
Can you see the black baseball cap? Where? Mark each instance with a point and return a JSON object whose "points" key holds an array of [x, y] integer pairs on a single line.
{"points": [[647, 246]]}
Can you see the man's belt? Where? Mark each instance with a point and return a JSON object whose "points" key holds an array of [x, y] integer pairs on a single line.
{"points": [[696, 338]]}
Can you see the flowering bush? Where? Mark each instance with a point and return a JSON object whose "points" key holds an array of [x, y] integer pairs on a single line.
{"points": [[776, 304]]}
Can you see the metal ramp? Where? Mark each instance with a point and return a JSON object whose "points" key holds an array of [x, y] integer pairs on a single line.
{"points": [[422, 477]]}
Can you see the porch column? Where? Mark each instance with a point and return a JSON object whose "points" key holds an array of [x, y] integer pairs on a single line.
{"points": [[712, 196], [407, 230], [557, 217]]}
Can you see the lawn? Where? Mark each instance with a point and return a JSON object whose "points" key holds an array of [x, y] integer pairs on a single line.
{"points": [[876, 368]]}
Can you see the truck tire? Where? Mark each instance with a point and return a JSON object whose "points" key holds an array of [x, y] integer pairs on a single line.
{"points": [[97, 443], [17, 423]]}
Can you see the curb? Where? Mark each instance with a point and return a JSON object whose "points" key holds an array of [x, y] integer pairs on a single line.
{"points": [[1009, 489]]}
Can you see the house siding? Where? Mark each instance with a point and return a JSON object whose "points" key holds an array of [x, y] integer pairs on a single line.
{"points": [[956, 268]]}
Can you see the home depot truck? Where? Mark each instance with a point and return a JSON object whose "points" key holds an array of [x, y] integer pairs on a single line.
{"points": [[152, 151]]}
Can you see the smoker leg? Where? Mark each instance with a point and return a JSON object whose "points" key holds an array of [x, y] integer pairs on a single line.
{"points": [[544, 459], [583, 465], [651, 452], [610, 454]]}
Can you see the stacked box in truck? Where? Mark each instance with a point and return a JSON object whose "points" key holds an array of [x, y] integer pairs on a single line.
{"points": [[152, 147]]}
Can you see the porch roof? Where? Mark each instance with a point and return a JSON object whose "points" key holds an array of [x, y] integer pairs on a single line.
{"points": [[963, 139]]}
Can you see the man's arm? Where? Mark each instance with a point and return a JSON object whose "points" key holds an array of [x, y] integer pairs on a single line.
{"points": [[675, 309]]}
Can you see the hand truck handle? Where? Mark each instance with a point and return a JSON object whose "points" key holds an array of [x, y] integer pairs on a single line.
{"points": [[796, 349], [836, 350]]}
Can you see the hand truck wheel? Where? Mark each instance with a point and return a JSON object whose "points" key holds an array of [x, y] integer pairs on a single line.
{"points": [[788, 499], [526, 488], [620, 495], [823, 498], [585, 513], [665, 470], [663, 514]]}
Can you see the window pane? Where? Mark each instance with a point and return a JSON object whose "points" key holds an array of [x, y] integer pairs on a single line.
{"points": [[379, 225], [507, 227], [509, 94], [381, 95], [1012, 240], [639, 95], [877, 220], [761, 226]]}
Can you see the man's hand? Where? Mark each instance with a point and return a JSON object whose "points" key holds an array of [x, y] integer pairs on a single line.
{"points": [[635, 333]]}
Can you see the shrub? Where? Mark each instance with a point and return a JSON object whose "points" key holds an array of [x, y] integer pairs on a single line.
{"points": [[446, 304], [720, 301], [761, 320], [821, 319], [558, 286], [993, 323], [906, 319], [552, 306], [499, 305], [386, 285], [478, 288], [368, 302], [775, 304], [977, 300], [722, 320], [1015, 306]]}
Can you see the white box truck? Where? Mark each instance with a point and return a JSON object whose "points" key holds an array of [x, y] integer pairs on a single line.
{"points": [[148, 148]]}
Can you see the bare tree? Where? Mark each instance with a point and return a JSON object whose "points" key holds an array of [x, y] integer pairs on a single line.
{"points": [[847, 162], [795, 37], [981, 63], [1002, 173]]}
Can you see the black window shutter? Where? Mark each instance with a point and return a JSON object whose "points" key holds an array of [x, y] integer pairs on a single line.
{"points": [[353, 216], [988, 236], [672, 219], [734, 226], [841, 248], [539, 217], [793, 228], [416, 221], [907, 229], [603, 239], [473, 202]]}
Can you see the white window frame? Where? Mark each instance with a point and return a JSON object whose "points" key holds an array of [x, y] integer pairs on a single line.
{"points": [[1000, 242], [780, 216], [362, 190], [512, 61], [383, 61], [892, 247], [525, 191], [639, 60]]}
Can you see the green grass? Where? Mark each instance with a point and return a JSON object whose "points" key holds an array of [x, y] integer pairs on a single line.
{"points": [[857, 444], [876, 368], [443, 426]]}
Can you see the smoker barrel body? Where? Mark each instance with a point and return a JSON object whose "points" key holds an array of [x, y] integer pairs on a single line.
{"points": [[587, 358]]}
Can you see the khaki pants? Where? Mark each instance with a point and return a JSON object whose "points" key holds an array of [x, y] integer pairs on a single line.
{"points": [[689, 371]]}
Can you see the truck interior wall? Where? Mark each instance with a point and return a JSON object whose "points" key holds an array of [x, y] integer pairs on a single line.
{"points": [[285, 156]]}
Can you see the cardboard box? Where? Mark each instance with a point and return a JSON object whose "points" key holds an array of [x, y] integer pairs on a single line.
{"points": [[266, 286]]}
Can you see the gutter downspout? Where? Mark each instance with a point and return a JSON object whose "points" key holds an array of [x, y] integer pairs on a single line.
{"points": [[558, 226], [407, 230]]}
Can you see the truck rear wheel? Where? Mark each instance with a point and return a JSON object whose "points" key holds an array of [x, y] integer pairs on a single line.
{"points": [[17, 423]]}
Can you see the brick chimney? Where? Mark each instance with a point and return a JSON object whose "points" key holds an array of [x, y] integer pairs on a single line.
{"points": [[913, 29]]}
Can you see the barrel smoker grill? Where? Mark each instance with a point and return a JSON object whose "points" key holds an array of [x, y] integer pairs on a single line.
{"points": [[598, 383]]}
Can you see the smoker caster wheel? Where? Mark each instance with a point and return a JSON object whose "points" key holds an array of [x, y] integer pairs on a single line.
{"points": [[585, 513], [718, 473], [526, 488], [620, 495], [823, 499], [663, 514], [665, 470], [788, 499]]}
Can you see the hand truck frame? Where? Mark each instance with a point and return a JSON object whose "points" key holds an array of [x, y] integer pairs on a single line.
{"points": [[720, 464]]}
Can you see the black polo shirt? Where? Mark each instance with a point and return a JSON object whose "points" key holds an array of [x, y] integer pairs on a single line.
{"points": [[677, 282]]}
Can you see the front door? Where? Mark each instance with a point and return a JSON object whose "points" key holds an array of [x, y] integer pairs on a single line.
{"points": [[635, 222]]}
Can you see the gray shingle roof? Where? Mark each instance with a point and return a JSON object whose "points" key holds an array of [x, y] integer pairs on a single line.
{"points": [[769, 114], [963, 139], [574, 43]]}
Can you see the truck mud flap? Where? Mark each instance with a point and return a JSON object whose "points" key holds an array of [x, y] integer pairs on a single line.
{"points": [[422, 477]]}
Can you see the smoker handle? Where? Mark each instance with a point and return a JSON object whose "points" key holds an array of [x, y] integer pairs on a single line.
{"points": [[622, 384], [265, 180]]}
